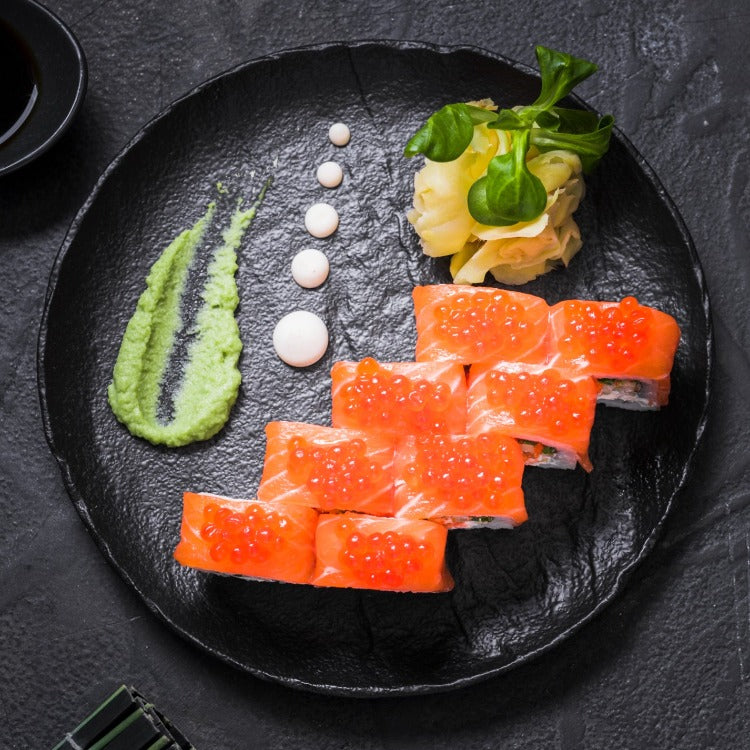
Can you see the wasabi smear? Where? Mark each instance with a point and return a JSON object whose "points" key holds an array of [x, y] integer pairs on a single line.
{"points": [[211, 378]]}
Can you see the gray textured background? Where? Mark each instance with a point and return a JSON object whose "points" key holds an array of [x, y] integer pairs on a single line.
{"points": [[668, 665]]}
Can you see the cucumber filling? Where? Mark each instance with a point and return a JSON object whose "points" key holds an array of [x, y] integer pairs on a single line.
{"points": [[532, 449]]}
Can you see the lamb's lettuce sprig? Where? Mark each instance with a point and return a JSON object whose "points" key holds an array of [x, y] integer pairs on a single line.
{"points": [[509, 192], [445, 136]]}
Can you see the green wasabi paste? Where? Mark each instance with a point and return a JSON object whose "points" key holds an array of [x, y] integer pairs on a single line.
{"points": [[211, 377]]}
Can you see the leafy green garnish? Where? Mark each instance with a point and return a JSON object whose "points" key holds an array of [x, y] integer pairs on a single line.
{"points": [[446, 135], [568, 120], [509, 193], [561, 73], [590, 146], [508, 119]]}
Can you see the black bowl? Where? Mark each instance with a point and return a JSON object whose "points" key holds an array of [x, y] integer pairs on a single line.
{"points": [[58, 67]]}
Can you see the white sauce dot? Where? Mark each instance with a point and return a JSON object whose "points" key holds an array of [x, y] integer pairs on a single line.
{"points": [[310, 268], [321, 220], [330, 174], [339, 134], [300, 338]]}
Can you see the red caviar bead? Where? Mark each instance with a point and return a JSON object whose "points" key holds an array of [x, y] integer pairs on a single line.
{"points": [[615, 332], [461, 470], [209, 531], [481, 322], [368, 366], [382, 560], [539, 397], [394, 400], [337, 470], [219, 551]]}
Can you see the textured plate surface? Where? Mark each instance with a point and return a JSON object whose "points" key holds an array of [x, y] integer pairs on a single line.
{"points": [[517, 592]]}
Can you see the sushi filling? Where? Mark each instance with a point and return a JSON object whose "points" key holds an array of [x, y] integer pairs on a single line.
{"points": [[539, 452], [545, 456], [621, 387], [477, 522], [628, 394]]}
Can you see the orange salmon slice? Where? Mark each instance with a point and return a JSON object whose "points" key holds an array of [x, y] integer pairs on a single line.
{"points": [[327, 468], [387, 554], [479, 324], [552, 411], [628, 347], [247, 538], [613, 339], [450, 477], [399, 398]]}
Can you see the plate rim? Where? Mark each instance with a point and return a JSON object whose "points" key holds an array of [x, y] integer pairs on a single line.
{"points": [[622, 576]]}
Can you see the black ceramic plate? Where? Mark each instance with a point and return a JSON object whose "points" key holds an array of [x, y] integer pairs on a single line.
{"points": [[516, 593], [58, 70]]}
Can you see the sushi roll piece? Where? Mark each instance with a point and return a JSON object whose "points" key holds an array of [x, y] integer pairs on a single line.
{"points": [[247, 538], [628, 347], [549, 411], [327, 468], [387, 554], [468, 324], [399, 398], [463, 481]]}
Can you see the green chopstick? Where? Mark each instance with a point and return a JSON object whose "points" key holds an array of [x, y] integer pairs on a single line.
{"points": [[125, 721]]}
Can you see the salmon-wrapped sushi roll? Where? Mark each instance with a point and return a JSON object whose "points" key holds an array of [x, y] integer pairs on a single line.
{"points": [[399, 398], [468, 324], [247, 538], [327, 468], [463, 481], [629, 348], [387, 554], [549, 411]]}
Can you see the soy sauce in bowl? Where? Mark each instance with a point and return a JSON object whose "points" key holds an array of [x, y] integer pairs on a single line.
{"points": [[18, 84], [42, 81]]}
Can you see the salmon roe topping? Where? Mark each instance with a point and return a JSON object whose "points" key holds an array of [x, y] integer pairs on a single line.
{"points": [[537, 400], [616, 335], [337, 475], [485, 322], [252, 535], [469, 471], [380, 398], [383, 560]]}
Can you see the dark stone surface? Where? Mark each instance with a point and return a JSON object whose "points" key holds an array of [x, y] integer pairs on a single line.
{"points": [[665, 666]]}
